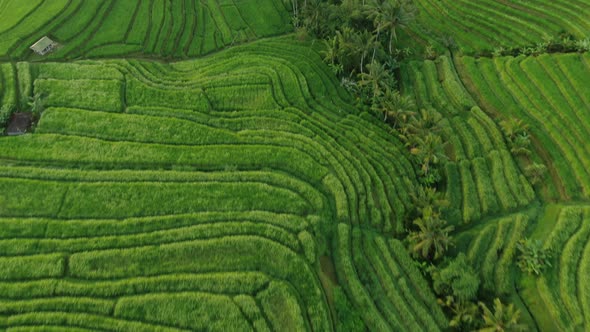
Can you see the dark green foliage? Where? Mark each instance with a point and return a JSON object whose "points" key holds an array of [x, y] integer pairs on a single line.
{"points": [[456, 279], [535, 172], [5, 116], [504, 318], [464, 314], [533, 258], [348, 318], [432, 239]]}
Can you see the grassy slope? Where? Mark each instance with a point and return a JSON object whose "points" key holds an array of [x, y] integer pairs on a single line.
{"points": [[117, 28], [264, 163]]}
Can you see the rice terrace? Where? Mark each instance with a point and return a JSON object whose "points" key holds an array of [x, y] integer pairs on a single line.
{"points": [[295, 165]]}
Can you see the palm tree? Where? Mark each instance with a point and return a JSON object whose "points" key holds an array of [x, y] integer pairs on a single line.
{"points": [[533, 258], [313, 10], [426, 197], [331, 51], [347, 51], [377, 79], [295, 9], [464, 313], [429, 150], [350, 10], [36, 104], [391, 15], [426, 121], [364, 43], [432, 238], [513, 127], [503, 319], [394, 106], [520, 144], [535, 172]]}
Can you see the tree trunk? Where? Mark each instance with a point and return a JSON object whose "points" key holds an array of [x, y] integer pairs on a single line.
{"points": [[390, 43], [362, 61], [375, 48]]}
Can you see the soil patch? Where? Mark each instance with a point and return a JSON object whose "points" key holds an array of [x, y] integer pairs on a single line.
{"points": [[329, 281], [328, 269], [20, 123]]}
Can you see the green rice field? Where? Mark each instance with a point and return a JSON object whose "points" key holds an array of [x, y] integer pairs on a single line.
{"points": [[209, 165]]}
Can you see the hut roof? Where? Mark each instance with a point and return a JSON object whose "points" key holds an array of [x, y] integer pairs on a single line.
{"points": [[43, 45]]}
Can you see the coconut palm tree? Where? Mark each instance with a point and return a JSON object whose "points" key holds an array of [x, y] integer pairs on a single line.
{"points": [[331, 51], [313, 11], [390, 16], [349, 11], [513, 127], [36, 103], [521, 144], [502, 319], [347, 51], [378, 79], [425, 121], [365, 42], [429, 150], [464, 313], [533, 258], [426, 197], [432, 239], [399, 109]]}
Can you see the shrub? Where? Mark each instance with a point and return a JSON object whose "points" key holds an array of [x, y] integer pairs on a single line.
{"points": [[348, 319], [5, 115], [535, 172], [533, 259], [503, 318], [457, 279]]}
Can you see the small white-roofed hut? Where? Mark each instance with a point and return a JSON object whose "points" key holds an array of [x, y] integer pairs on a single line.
{"points": [[43, 46]]}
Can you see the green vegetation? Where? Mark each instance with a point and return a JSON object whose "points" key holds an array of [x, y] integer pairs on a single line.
{"points": [[481, 176], [253, 189], [295, 165], [533, 258], [503, 318], [549, 95], [432, 238], [485, 26], [114, 28], [561, 286], [457, 279]]}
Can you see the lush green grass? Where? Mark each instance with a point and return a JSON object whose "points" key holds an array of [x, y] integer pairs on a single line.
{"points": [[233, 191], [561, 292], [491, 249], [166, 186], [550, 94], [96, 29], [482, 26], [389, 287], [482, 178]]}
